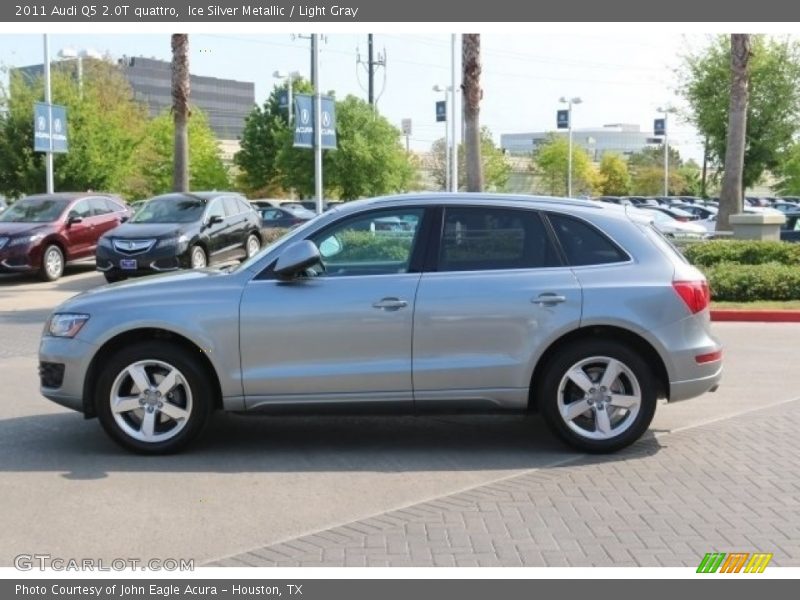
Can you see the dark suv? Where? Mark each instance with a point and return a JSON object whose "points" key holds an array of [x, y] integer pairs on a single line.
{"points": [[181, 230], [41, 233]]}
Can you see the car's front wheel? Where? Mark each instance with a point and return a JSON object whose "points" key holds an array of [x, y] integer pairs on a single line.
{"points": [[153, 398], [198, 258], [597, 395], [253, 244], [52, 266]]}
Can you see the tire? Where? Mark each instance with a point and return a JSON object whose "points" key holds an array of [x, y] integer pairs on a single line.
{"points": [[619, 409], [52, 267], [159, 421], [113, 277], [198, 259], [252, 245]]}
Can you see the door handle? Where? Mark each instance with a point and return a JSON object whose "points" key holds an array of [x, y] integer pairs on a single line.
{"points": [[549, 298], [390, 304]]}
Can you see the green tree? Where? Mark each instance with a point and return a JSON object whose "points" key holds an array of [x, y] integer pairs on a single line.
{"points": [[155, 158], [789, 183], [773, 104], [496, 169], [551, 162], [369, 160], [613, 177], [105, 126], [265, 134], [647, 171]]}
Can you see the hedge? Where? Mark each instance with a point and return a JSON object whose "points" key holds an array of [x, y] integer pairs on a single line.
{"points": [[744, 283], [742, 252]]}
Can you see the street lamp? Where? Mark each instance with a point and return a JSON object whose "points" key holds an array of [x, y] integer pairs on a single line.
{"points": [[569, 102], [289, 77], [447, 116], [71, 53], [666, 111]]}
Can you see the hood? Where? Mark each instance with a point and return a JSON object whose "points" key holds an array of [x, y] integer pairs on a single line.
{"points": [[137, 231], [11, 229]]}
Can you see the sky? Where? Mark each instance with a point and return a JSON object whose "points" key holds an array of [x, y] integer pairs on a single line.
{"points": [[621, 77]]}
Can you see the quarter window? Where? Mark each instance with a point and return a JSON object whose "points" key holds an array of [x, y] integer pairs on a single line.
{"points": [[480, 239], [583, 244]]}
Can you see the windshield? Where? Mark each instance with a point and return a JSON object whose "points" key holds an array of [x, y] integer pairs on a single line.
{"points": [[175, 208], [34, 210]]}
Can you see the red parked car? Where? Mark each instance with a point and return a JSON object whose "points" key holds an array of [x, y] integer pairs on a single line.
{"points": [[44, 232]]}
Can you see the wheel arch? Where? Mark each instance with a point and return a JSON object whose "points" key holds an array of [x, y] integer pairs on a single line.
{"points": [[112, 345], [602, 332]]}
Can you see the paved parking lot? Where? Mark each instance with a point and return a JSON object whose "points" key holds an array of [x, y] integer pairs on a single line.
{"points": [[715, 473]]}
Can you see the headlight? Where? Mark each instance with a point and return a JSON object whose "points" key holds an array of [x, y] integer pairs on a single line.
{"points": [[66, 324], [25, 240], [173, 241]]}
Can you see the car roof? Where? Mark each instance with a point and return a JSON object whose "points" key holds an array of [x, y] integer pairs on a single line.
{"points": [[69, 196]]}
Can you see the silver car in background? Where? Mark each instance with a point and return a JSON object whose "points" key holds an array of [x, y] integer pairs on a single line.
{"points": [[577, 310]]}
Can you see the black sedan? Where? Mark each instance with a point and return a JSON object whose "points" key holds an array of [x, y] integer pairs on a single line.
{"points": [[284, 218], [181, 230]]}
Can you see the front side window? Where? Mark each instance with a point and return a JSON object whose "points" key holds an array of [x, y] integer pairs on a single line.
{"points": [[485, 239], [377, 243], [82, 210], [232, 207], [216, 209]]}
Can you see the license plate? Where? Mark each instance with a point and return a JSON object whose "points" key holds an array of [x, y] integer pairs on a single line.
{"points": [[128, 264]]}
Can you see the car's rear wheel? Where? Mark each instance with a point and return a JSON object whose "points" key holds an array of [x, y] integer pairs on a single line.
{"points": [[597, 395], [252, 245], [198, 258], [153, 398], [52, 267]]}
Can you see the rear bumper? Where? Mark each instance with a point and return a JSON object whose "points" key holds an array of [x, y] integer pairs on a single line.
{"points": [[691, 388]]}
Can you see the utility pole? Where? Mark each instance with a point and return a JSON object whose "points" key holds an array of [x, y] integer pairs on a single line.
{"points": [[48, 100], [371, 70], [317, 121]]}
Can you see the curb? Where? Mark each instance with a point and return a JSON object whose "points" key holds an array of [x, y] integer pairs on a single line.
{"points": [[757, 316]]}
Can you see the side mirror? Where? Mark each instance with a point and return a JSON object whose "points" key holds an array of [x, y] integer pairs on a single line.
{"points": [[297, 258], [214, 219], [73, 219], [124, 219]]}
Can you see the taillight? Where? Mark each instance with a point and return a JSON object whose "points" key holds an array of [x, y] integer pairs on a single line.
{"points": [[695, 294], [682, 219], [702, 359]]}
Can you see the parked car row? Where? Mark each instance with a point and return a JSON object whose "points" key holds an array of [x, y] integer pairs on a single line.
{"points": [[43, 233]]}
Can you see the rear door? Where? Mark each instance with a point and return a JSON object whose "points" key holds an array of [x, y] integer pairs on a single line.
{"points": [[497, 296], [237, 227]]}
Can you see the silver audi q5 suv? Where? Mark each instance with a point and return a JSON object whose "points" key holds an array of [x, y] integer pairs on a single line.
{"points": [[412, 304]]}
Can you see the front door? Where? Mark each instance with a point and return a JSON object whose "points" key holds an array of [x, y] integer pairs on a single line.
{"points": [[341, 336]]}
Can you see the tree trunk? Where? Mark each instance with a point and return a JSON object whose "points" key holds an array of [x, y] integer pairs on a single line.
{"points": [[180, 110], [471, 87], [731, 196]]}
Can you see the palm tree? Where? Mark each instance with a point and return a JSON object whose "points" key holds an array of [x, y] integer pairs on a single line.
{"points": [[180, 110], [730, 198], [471, 86]]}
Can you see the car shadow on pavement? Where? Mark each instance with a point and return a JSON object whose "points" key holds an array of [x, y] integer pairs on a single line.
{"points": [[79, 449], [10, 280]]}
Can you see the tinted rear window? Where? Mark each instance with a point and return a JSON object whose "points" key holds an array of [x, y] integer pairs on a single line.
{"points": [[584, 244], [477, 239]]}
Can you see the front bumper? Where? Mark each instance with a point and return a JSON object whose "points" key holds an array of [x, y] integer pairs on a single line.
{"points": [[155, 260], [75, 356], [18, 259]]}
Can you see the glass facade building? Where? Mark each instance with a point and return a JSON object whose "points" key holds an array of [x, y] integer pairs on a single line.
{"points": [[622, 138]]}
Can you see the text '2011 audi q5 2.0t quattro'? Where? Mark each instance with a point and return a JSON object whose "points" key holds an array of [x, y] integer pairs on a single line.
{"points": [[471, 303]]}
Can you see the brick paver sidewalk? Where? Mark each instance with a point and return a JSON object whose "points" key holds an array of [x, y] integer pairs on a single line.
{"points": [[732, 485]]}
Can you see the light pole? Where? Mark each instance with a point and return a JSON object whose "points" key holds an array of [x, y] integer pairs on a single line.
{"points": [[448, 115], [70, 53], [569, 102], [289, 77], [317, 121], [454, 138], [47, 99], [666, 111]]}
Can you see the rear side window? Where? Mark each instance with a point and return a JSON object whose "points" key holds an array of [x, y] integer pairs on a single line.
{"points": [[584, 244], [481, 239]]}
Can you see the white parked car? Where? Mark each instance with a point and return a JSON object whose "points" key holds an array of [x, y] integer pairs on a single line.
{"points": [[677, 229]]}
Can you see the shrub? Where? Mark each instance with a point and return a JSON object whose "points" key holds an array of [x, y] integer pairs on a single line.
{"points": [[742, 252], [745, 283]]}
